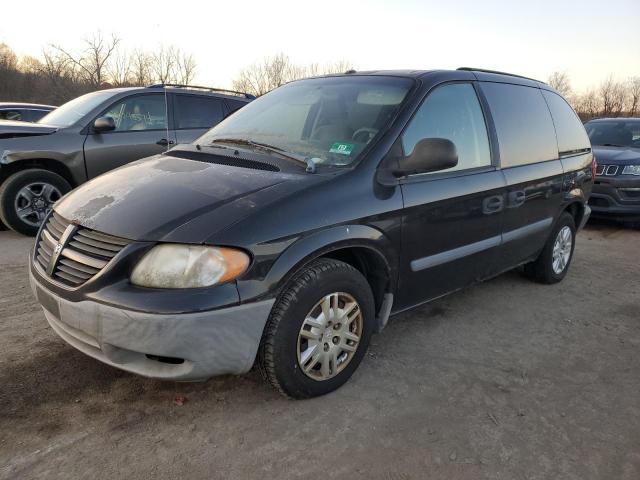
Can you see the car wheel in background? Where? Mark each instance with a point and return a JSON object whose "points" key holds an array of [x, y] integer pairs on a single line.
{"points": [[27, 196], [553, 263], [318, 330]]}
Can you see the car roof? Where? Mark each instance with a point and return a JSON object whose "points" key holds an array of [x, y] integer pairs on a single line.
{"points": [[478, 73], [615, 119], [25, 105]]}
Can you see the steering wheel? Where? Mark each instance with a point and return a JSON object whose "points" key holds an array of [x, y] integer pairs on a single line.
{"points": [[361, 132]]}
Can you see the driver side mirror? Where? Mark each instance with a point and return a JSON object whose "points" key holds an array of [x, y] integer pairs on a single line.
{"points": [[104, 124], [429, 155]]}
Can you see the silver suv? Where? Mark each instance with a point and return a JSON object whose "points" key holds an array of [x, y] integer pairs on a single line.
{"points": [[95, 133]]}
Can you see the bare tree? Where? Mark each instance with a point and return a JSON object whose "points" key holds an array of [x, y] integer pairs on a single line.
{"points": [[119, 69], [93, 60], [185, 67], [634, 95], [613, 97], [587, 105], [141, 71], [8, 59], [270, 73], [561, 82]]}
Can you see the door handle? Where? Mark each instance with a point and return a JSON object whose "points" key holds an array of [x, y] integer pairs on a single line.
{"points": [[164, 142], [493, 204], [515, 199]]}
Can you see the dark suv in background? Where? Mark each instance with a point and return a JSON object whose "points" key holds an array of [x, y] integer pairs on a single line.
{"points": [[616, 145], [95, 133]]}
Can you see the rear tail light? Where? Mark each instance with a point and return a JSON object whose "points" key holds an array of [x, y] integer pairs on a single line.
{"points": [[594, 166]]}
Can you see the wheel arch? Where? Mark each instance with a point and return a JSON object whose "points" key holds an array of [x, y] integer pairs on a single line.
{"points": [[49, 164], [363, 247]]}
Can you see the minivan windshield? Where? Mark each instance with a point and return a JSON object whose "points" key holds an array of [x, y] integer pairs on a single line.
{"points": [[614, 133], [72, 111], [326, 120]]}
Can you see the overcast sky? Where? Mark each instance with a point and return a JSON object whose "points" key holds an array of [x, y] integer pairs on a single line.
{"points": [[588, 39]]}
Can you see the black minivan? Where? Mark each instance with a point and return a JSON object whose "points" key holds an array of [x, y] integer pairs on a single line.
{"points": [[291, 231]]}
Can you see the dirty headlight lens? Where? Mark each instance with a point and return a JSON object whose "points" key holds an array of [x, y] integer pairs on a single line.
{"points": [[631, 170], [188, 266]]}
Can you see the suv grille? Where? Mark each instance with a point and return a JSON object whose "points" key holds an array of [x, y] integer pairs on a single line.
{"points": [[608, 170], [72, 254]]}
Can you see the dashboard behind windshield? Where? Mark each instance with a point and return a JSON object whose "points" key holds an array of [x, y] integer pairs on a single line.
{"points": [[329, 120]]}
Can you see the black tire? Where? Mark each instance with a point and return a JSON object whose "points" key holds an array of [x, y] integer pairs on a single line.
{"points": [[11, 188], [278, 353], [541, 270]]}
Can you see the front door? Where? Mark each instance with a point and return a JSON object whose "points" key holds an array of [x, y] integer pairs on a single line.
{"points": [[452, 220], [141, 131]]}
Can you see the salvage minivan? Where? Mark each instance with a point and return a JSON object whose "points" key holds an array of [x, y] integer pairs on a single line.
{"points": [[290, 232]]}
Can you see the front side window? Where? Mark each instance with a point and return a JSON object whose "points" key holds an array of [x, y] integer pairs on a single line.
{"points": [[614, 133], [452, 112], [327, 120], [140, 112], [10, 115], [192, 111]]}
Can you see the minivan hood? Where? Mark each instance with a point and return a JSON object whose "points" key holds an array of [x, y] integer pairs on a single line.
{"points": [[616, 155], [151, 198], [10, 128]]}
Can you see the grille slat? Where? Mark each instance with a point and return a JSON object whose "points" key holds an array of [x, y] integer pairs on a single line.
{"points": [[83, 256], [83, 247], [102, 237], [79, 266], [74, 272], [97, 243], [69, 278]]}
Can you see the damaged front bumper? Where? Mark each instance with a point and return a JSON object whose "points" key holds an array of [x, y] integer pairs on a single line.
{"points": [[174, 346]]}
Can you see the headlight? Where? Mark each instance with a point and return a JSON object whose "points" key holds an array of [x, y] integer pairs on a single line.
{"points": [[631, 170], [188, 266]]}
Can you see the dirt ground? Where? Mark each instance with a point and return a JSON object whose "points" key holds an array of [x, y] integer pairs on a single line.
{"points": [[504, 380]]}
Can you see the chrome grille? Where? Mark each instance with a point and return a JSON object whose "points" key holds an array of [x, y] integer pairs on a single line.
{"points": [[608, 170], [83, 252]]}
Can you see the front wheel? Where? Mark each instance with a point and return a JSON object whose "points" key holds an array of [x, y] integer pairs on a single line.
{"points": [[318, 330], [553, 263], [27, 196]]}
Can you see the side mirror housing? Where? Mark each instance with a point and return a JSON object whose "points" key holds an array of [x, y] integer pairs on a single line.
{"points": [[104, 124], [429, 155]]}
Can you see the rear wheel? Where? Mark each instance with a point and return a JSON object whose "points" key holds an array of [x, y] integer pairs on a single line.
{"points": [[318, 330], [27, 196], [552, 264]]}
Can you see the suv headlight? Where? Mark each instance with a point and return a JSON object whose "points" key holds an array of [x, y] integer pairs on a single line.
{"points": [[188, 266], [631, 170]]}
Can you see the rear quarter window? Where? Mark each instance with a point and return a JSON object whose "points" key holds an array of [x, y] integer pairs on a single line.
{"points": [[523, 124], [569, 129]]}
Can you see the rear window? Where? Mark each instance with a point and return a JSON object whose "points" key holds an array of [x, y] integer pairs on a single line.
{"points": [[569, 130], [192, 111], [523, 123]]}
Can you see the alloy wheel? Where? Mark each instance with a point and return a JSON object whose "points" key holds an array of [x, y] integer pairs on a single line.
{"points": [[329, 336], [34, 201], [562, 250]]}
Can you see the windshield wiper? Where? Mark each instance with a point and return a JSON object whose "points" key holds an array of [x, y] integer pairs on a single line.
{"points": [[310, 166]]}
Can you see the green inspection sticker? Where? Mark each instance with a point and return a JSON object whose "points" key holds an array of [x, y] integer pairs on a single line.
{"points": [[341, 148]]}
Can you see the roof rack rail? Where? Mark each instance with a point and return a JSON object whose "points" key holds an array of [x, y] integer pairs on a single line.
{"points": [[484, 70], [198, 87]]}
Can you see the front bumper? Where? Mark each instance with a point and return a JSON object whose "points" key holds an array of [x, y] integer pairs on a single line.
{"points": [[616, 197], [180, 346]]}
